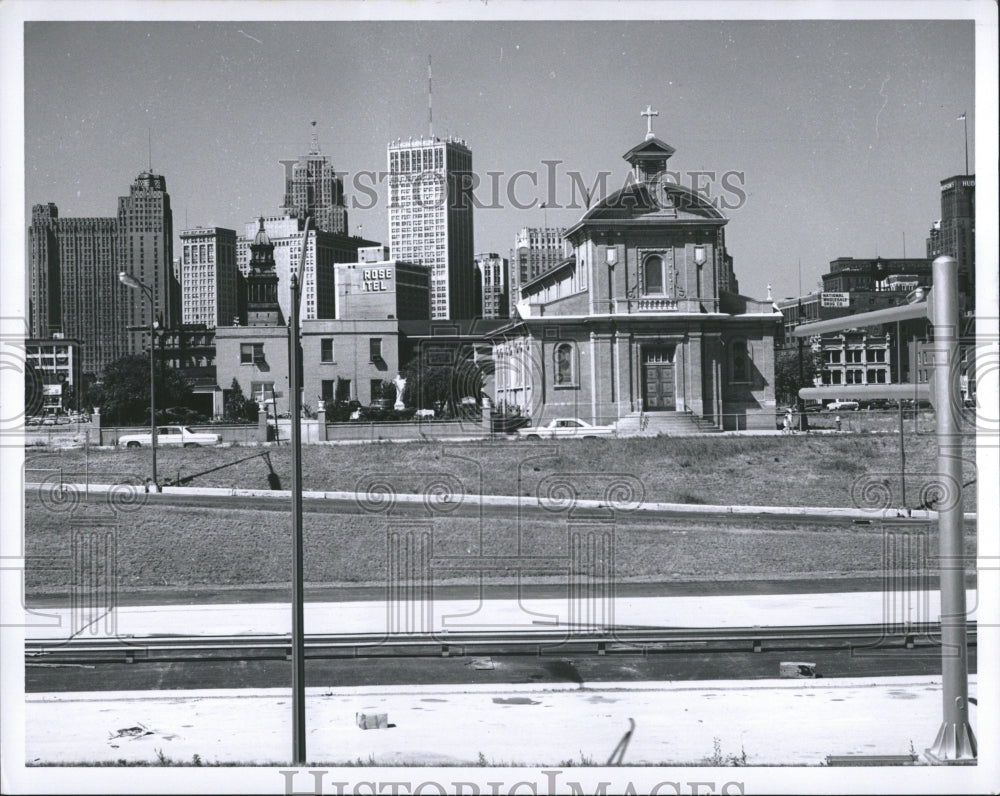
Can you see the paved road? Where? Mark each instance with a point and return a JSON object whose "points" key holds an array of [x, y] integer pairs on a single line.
{"points": [[555, 668]]}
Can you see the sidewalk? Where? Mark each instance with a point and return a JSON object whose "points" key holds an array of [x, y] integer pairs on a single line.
{"points": [[373, 616], [775, 722], [626, 505]]}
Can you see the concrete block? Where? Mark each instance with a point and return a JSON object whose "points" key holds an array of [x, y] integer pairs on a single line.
{"points": [[796, 670], [372, 721]]}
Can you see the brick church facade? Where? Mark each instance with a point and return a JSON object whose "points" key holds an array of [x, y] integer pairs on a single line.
{"points": [[642, 322]]}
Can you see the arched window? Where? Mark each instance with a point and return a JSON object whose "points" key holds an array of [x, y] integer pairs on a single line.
{"points": [[653, 275], [564, 365], [739, 361]]}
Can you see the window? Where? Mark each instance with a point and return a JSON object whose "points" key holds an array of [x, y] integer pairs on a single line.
{"points": [[833, 357], [876, 355], [375, 387], [326, 349], [854, 376], [564, 365], [653, 275], [375, 349], [327, 389], [854, 357], [251, 353], [261, 390]]}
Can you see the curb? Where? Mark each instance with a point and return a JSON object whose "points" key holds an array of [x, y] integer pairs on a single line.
{"points": [[554, 505]]}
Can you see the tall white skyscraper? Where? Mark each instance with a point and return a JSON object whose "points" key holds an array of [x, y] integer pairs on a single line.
{"points": [[430, 218]]}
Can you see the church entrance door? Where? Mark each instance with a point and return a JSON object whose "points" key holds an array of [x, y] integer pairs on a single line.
{"points": [[658, 373]]}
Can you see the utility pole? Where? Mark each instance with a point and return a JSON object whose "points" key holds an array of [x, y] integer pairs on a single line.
{"points": [[955, 742], [298, 595]]}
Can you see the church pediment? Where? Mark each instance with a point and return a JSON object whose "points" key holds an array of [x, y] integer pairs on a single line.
{"points": [[650, 148]]}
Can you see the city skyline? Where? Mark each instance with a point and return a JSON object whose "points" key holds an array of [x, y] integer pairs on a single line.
{"points": [[835, 138]]}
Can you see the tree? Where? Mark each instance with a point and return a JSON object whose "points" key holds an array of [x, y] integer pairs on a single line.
{"points": [[125, 390], [238, 408], [786, 372], [33, 393], [430, 386]]}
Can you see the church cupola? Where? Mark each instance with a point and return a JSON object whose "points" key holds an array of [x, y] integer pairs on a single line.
{"points": [[262, 283], [649, 158]]}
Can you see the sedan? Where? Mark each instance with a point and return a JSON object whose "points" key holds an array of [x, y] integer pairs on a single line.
{"points": [[566, 427], [170, 435]]}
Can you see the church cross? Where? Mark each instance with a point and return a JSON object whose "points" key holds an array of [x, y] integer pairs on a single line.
{"points": [[649, 113]]}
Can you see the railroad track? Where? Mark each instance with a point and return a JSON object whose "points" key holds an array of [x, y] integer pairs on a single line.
{"points": [[540, 642]]}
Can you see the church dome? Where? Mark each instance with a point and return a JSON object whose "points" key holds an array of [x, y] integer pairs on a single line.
{"points": [[261, 238]]}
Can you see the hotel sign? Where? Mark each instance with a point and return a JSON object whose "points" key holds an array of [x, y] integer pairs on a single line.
{"points": [[377, 280], [835, 300]]}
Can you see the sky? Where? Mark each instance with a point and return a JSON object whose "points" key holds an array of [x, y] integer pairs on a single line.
{"points": [[838, 133]]}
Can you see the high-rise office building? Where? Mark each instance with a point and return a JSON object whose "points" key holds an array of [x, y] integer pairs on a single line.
{"points": [[73, 284], [536, 250], [955, 233], [430, 218], [312, 188], [210, 281], [493, 280], [146, 251]]}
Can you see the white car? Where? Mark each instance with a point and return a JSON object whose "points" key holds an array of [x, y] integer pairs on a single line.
{"points": [[169, 435], [843, 406], [570, 427]]}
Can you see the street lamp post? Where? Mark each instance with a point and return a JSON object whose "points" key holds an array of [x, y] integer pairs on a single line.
{"points": [[130, 281]]}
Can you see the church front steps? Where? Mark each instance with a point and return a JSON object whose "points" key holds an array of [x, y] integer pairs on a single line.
{"points": [[668, 424]]}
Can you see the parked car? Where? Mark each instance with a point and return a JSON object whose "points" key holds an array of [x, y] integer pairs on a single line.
{"points": [[34, 420], [170, 435], [571, 427], [843, 406]]}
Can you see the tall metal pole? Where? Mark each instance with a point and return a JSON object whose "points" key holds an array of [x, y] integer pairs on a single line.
{"points": [[152, 384], [955, 742], [965, 123], [298, 595]]}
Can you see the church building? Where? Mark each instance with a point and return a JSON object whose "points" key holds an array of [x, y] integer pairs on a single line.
{"points": [[642, 324]]}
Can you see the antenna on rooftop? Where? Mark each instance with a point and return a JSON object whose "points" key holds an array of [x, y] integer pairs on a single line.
{"points": [[149, 146], [314, 141], [430, 100]]}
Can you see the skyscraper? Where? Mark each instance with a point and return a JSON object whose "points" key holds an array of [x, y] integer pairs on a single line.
{"points": [[210, 281], [146, 251], [536, 250], [312, 188], [493, 273], [73, 284], [430, 218], [955, 233]]}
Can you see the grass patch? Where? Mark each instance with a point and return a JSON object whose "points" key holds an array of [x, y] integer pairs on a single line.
{"points": [[797, 470], [182, 547]]}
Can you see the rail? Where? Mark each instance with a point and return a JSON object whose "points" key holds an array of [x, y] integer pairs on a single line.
{"points": [[162, 649]]}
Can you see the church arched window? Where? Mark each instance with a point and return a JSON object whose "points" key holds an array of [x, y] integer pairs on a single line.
{"points": [[653, 275], [564, 365]]}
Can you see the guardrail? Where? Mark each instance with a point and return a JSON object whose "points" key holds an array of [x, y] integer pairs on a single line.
{"points": [[643, 641]]}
